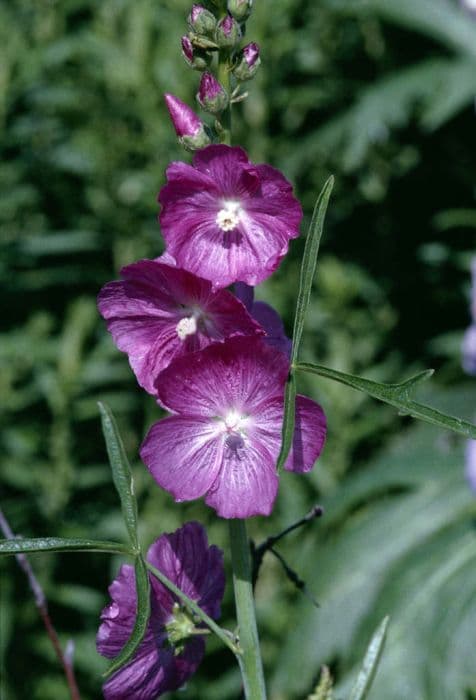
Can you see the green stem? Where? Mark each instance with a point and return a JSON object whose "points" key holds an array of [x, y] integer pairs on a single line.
{"points": [[250, 659], [224, 77]]}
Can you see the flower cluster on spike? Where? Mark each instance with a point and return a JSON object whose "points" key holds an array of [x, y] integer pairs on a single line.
{"points": [[213, 357], [173, 645]]}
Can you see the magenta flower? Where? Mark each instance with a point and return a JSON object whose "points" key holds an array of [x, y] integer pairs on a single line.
{"points": [[225, 435], [248, 62], [211, 95], [226, 219], [188, 126], [172, 647], [158, 313], [267, 317], [470, 464]]}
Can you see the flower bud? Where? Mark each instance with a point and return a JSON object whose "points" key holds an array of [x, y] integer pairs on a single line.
{"points": [[196, 58], [188, 126], [201, 20], [227, 33], [240, 9], [248, 62], [211, 95]]}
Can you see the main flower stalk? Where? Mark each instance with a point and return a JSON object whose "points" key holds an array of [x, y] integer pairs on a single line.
{"points": [[251, 665], [250, 660]]}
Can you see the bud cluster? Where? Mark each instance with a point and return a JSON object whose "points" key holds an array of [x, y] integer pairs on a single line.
{"points": [[212, 46]]}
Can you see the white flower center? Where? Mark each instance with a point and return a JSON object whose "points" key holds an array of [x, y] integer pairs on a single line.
{"points": [[186, 326], [228, 218]]}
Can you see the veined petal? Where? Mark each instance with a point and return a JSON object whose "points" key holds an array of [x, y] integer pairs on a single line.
{"points": [[184, 455], [247, 483], [240, 374]]}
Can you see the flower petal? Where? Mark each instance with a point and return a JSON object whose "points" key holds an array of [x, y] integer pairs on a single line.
{"points": [[241, 373], [309, 435], [247, 484], [184, 455], [195, 567]]}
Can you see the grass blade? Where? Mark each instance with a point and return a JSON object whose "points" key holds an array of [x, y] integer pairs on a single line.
{"points": [[370, 663], [288, 420], [121, 472]]}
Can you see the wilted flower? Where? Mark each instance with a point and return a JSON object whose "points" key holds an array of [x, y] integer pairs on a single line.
{"points": [[172, 647], [227, 219], [225, 437], [158, 313], [211, 96], [188, 126], [248, 62]]}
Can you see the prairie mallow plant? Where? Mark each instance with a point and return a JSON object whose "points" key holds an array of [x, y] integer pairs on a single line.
{"points": [[222, 365]]}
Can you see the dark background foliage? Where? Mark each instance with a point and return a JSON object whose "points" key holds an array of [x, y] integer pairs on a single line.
{"points": [[382, 95]]}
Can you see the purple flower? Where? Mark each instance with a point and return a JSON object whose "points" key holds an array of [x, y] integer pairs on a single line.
{"points": [[158, 313], [201, 20], [248, 62], [225, 435], [471, 464], [227, 219], [171, 649], [469, 6], [267, 317], [196, 58], [469, 339], [227, 32], [188, 126], [211, 96]]}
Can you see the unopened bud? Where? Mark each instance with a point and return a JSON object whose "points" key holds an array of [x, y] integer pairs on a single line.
{"points": [[196, 58], [228, 33], [248, 62], [201, 20], [240, 9], [211, 95], [188, 126]]}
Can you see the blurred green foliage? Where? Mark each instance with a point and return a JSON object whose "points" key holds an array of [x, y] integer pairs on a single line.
{"points": [[379, 93]]}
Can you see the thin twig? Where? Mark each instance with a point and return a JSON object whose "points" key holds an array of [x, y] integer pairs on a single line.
{"points": [[66, 658], [259, 552]]}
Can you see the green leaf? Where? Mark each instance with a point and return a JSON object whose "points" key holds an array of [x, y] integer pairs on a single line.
{"points": [[288, 420], [398, 538], [142, 617], [398, 395], [370, 663], [308, 265], [121, 472], [60, 544], [308, 269]]}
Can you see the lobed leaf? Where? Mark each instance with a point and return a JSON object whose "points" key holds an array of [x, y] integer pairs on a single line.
{"points": [[121, 472], [142, 617], [308, 269], [60, 544], [397, 395]]}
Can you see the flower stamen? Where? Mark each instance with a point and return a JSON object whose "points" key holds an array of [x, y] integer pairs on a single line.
{"points": [[228, 218]]}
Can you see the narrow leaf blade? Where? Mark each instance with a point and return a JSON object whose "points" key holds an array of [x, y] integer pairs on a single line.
{"points": [[370, 663], [121, 472], [397, 395], [308, 265], [288, 420], [60, 544], [142, 617]]}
